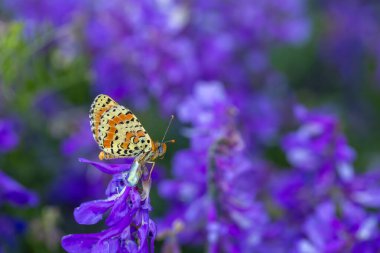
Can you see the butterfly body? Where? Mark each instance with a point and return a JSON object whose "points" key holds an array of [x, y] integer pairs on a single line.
{"points": [[120, 134]]}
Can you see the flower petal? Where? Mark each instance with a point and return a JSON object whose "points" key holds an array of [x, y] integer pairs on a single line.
{"points": [[79, 243], [107, 246], [91, 212], [15, 193], [127, 203], [108, 168], [130, 247], [119, 209]]}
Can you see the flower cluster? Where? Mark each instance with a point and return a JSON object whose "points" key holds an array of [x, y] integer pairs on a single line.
{"points": [[227, 191], [129, 227], [240, 203], [323, 203], [212, 192], [161, 48]]}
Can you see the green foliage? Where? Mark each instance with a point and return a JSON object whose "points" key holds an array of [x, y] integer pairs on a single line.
{"points": [[30, 65]]}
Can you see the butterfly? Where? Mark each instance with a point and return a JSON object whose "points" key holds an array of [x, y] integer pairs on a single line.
{"points": [[120, 134]]}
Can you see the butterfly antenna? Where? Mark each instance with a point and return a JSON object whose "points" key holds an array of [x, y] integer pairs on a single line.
{"points": [[166, 131]]}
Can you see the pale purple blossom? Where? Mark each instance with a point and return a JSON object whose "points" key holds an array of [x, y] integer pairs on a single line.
{"points": [[321, 198], [215, 202]]}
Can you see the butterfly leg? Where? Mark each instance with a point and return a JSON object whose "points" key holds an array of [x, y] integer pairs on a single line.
{"points": [[151, 170]]}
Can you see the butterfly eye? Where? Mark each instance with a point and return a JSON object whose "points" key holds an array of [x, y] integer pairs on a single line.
{"points": [[160, 149]]}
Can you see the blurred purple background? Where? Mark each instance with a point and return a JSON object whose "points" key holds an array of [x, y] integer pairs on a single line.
{"points": [[277, 110]]}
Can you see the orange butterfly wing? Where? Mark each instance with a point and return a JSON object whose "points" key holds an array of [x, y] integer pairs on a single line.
{"points": [[117, 130]]}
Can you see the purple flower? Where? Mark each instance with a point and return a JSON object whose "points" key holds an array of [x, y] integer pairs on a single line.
{"points": [[320, 157], [263, 113], [318, 143], [14, 193], [132, 43], [321, 204], [164, 48], [9, 137], [216, 202], [364, 189], [328, 231], [129, 228], [40, 11]]}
